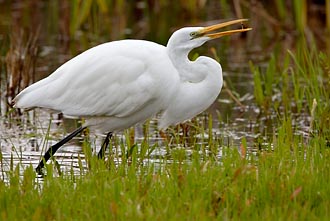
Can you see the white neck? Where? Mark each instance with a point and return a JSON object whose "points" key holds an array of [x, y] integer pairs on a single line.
{"points": [[201, 82]]}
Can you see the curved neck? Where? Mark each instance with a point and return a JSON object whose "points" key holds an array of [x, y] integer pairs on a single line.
{"points": [[186, 69], [208, 75], [201, 82]]}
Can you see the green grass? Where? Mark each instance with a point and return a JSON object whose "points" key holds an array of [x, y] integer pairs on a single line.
{"points": [[289, 183]]}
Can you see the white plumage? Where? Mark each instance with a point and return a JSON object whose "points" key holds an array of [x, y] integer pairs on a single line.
{"points": [[123, 82], [118, 84]]}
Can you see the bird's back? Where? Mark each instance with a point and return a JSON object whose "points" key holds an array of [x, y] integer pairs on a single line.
{"points": [[116, 79]]}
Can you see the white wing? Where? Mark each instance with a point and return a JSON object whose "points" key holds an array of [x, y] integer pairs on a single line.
{"points": [[113, 79]]}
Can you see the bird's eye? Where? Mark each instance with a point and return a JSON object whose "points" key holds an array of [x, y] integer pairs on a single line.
{"points": [[193, 34]]}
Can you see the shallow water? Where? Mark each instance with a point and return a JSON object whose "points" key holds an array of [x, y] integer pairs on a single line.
{"points": [[24, 142]]}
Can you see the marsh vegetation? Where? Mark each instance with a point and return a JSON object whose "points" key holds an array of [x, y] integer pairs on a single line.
{"points": [[260, 152]]}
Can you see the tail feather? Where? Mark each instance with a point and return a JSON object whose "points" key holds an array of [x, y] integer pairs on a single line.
{"points": [[30, 97]]}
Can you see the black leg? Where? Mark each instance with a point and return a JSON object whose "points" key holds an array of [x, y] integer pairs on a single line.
{"points": [[104, 146], [51, 151]]}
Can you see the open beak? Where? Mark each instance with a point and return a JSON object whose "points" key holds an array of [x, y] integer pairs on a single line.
{"points": [[206, 31]]}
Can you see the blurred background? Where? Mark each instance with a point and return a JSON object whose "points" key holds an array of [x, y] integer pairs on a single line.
{"points": [[36, 36]]}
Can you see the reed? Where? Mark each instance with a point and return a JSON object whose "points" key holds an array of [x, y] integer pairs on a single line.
{"points": [[284, 176]]}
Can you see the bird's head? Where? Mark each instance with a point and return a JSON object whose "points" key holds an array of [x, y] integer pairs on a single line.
{"points": [[193, 37]]}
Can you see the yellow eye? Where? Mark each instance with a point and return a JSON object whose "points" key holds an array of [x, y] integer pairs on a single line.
{"points": [[193, 34]]}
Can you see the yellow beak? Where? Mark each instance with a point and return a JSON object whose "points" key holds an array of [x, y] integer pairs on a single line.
{"points": [[206, 31]]}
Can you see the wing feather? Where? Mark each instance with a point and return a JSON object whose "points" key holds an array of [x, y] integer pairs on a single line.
{"points": [[107, 80]]}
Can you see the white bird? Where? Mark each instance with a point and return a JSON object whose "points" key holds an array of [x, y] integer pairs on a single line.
{"points": [[118, 84]]}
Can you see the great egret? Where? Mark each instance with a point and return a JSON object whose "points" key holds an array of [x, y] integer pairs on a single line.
{"points": [[118, 84]]}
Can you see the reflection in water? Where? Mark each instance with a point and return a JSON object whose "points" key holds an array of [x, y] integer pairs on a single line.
{"points": [[24, 142]]}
